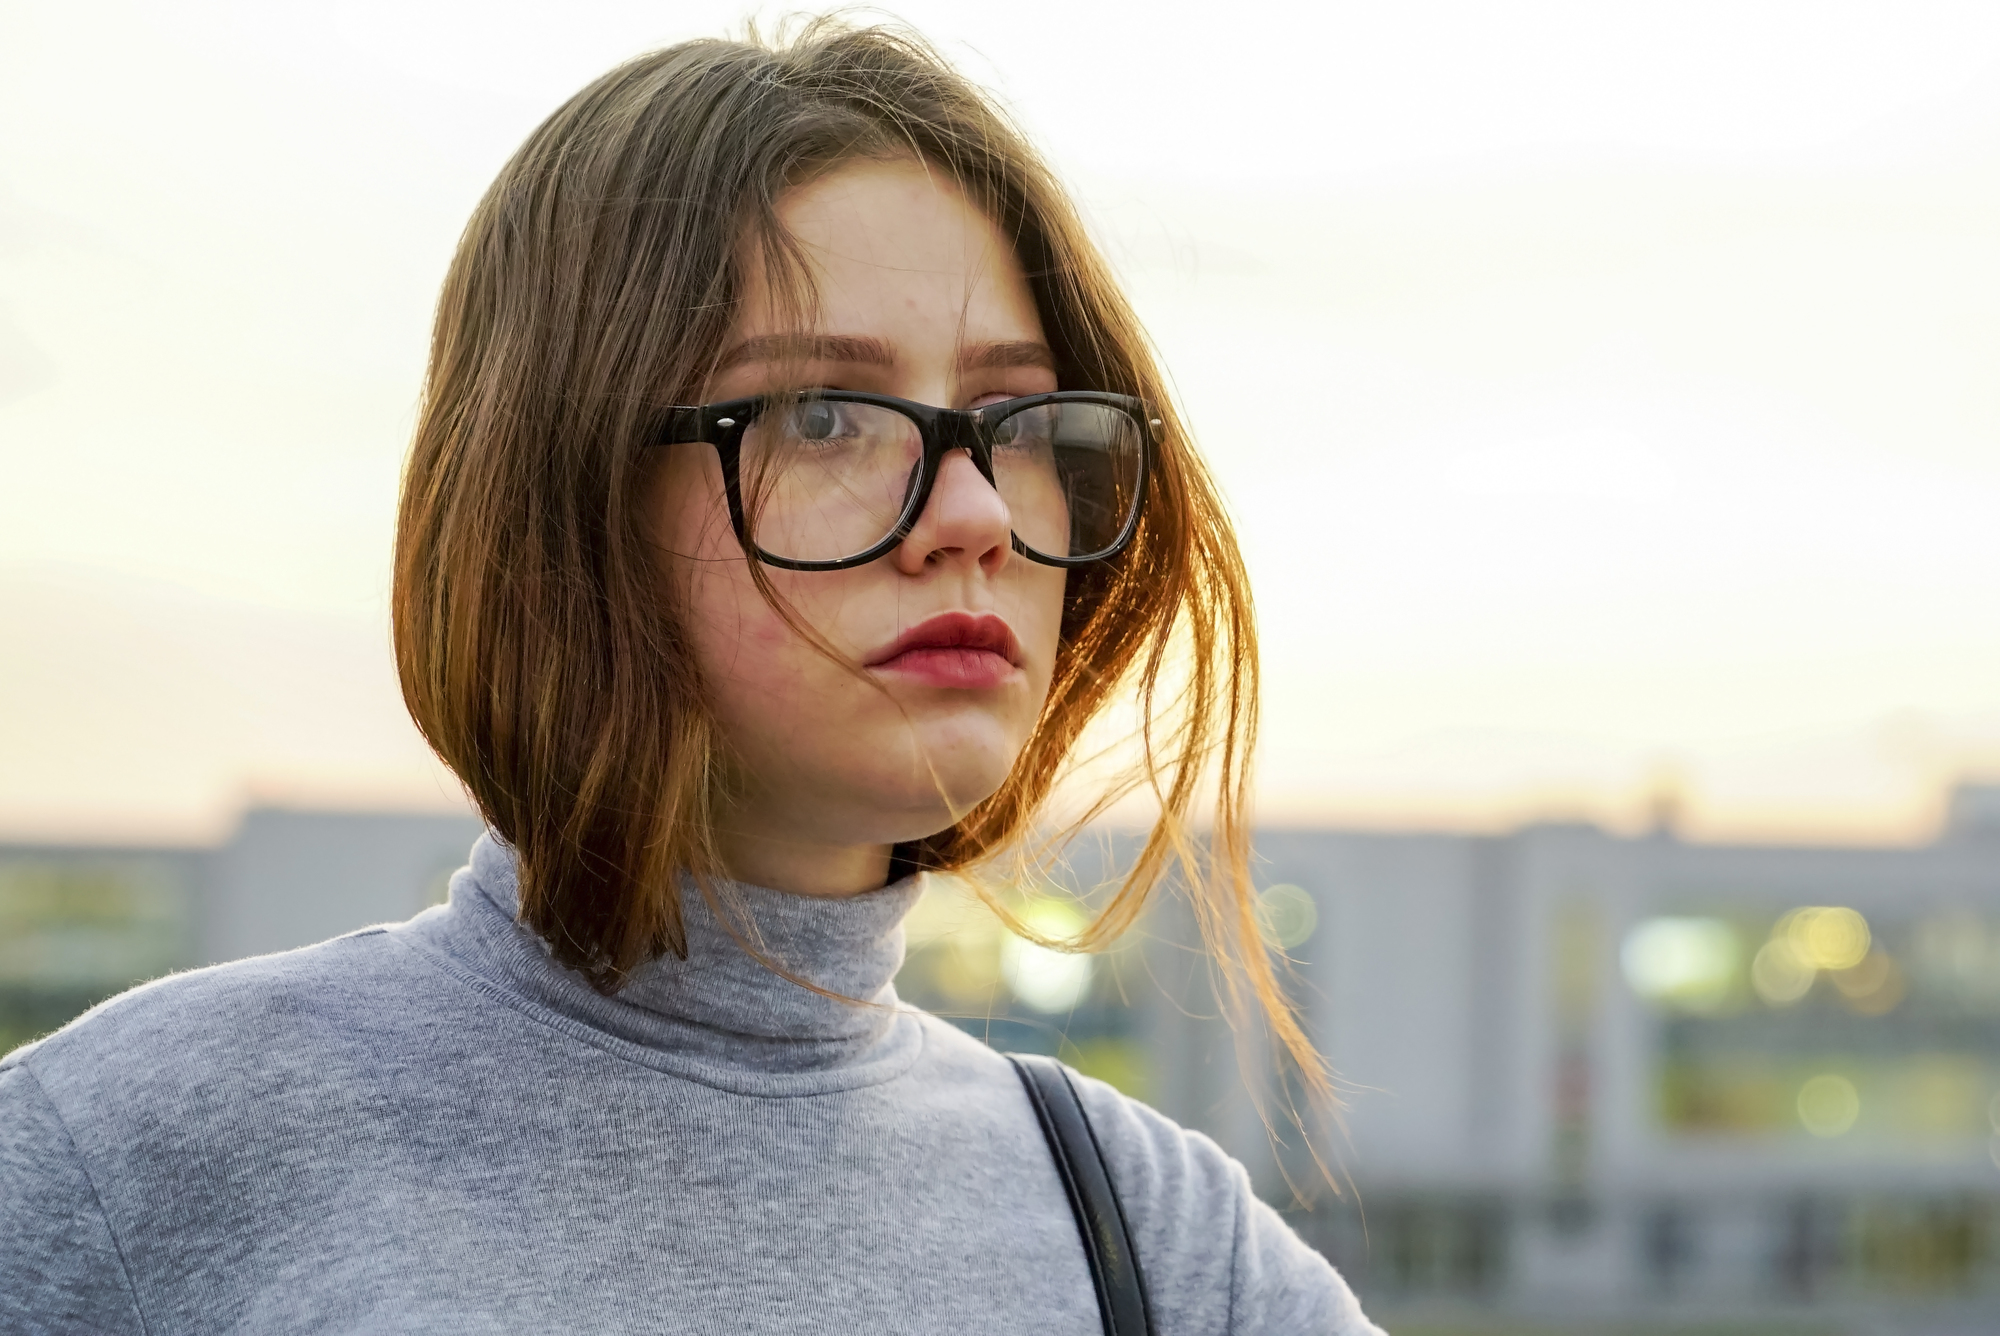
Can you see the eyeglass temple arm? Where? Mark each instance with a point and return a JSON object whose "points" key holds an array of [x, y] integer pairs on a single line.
{"points": [[683, 424]]}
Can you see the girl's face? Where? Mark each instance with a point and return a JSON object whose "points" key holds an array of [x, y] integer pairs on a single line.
{"points": [[921, 298]]}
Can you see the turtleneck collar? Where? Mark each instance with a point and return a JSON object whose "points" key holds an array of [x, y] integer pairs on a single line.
{"points": [[720, 1016]]}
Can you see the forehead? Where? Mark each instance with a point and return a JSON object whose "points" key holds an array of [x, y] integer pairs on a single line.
{"points": [[896, 249]]}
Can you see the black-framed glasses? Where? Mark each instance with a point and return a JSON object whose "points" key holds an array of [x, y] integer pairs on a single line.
{"points": [[831, 479]]}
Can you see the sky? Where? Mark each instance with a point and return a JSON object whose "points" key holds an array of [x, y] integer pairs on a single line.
{"points": [[1641, 434]]}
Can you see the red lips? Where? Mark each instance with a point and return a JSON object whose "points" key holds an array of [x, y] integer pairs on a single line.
{"points": [[952, 649]]}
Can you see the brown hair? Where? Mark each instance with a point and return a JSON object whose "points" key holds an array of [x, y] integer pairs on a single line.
{"points": [[593, 287]]}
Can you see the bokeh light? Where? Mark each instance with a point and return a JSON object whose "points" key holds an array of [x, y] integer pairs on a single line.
{"points": [[1286, 916], [1047, 979], [1828, 1105], [1780, 974], [1874, 986], [1827, 938], [1688, 963]]}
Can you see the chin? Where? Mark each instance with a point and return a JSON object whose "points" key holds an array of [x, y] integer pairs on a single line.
{"points": [[942, 782], [937, 807]]}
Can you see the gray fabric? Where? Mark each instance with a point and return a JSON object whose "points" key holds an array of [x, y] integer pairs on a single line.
{"points": [[433, 1127]]}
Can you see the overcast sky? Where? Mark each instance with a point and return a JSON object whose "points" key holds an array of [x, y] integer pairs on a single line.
{"points": [[1654, 427]]}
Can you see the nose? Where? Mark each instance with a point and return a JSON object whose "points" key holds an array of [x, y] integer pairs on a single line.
{"points": [[964, 521]]}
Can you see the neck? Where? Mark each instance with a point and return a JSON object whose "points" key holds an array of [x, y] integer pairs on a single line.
{"points": [[801, 866]]}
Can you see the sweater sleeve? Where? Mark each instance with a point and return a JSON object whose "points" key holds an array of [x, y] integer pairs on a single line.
{"points": [[1279, 1283], [60, 1268], [1216, 1260]]}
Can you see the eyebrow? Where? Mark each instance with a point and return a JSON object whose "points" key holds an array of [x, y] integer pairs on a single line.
{"points": [[998, 356], [809, 348], [856, 350]]}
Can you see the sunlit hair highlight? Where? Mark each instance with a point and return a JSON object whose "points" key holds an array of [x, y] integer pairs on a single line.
{"points": [[538, 651]]}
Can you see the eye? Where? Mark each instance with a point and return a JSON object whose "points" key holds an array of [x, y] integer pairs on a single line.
{"points": [[817, 421], [1030, 429]]}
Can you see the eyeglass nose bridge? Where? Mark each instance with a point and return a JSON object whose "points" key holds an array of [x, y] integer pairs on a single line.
{"points": [[952, 430]]}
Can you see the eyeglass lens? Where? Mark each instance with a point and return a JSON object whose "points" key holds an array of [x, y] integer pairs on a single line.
{"points": [[824, 480]]}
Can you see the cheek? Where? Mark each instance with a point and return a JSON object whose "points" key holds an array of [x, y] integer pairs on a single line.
{"points": [[726, 621], [690, 519], [762, 679], [1040, 623], [793, 720], [740, 642]]}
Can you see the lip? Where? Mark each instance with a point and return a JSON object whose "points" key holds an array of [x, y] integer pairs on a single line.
{"points": [[952, 649]]}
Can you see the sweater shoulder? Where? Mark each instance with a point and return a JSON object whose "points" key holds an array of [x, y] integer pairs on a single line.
{"points": [[173, 1023], [1163, 1161], [61, 1268], [1200, 1230], [1162, 1166]]}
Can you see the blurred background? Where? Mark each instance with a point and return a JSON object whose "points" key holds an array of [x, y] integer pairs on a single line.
{"points": [[1628, 573]]}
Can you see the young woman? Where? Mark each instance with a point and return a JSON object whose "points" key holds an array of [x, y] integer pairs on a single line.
{"points": [[791, 489]]}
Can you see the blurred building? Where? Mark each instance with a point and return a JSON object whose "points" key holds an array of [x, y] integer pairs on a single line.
{"points": [[1593, 1071], [79, 923]]}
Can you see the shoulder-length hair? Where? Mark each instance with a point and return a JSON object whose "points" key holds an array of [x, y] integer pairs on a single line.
{"points": [[593, 288]]}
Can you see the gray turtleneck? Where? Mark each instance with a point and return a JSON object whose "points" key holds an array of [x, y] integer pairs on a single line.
{"points": [[433, 1127]]}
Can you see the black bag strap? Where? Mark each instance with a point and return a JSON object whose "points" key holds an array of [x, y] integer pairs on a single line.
{"points": [[1107, 1243]]}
